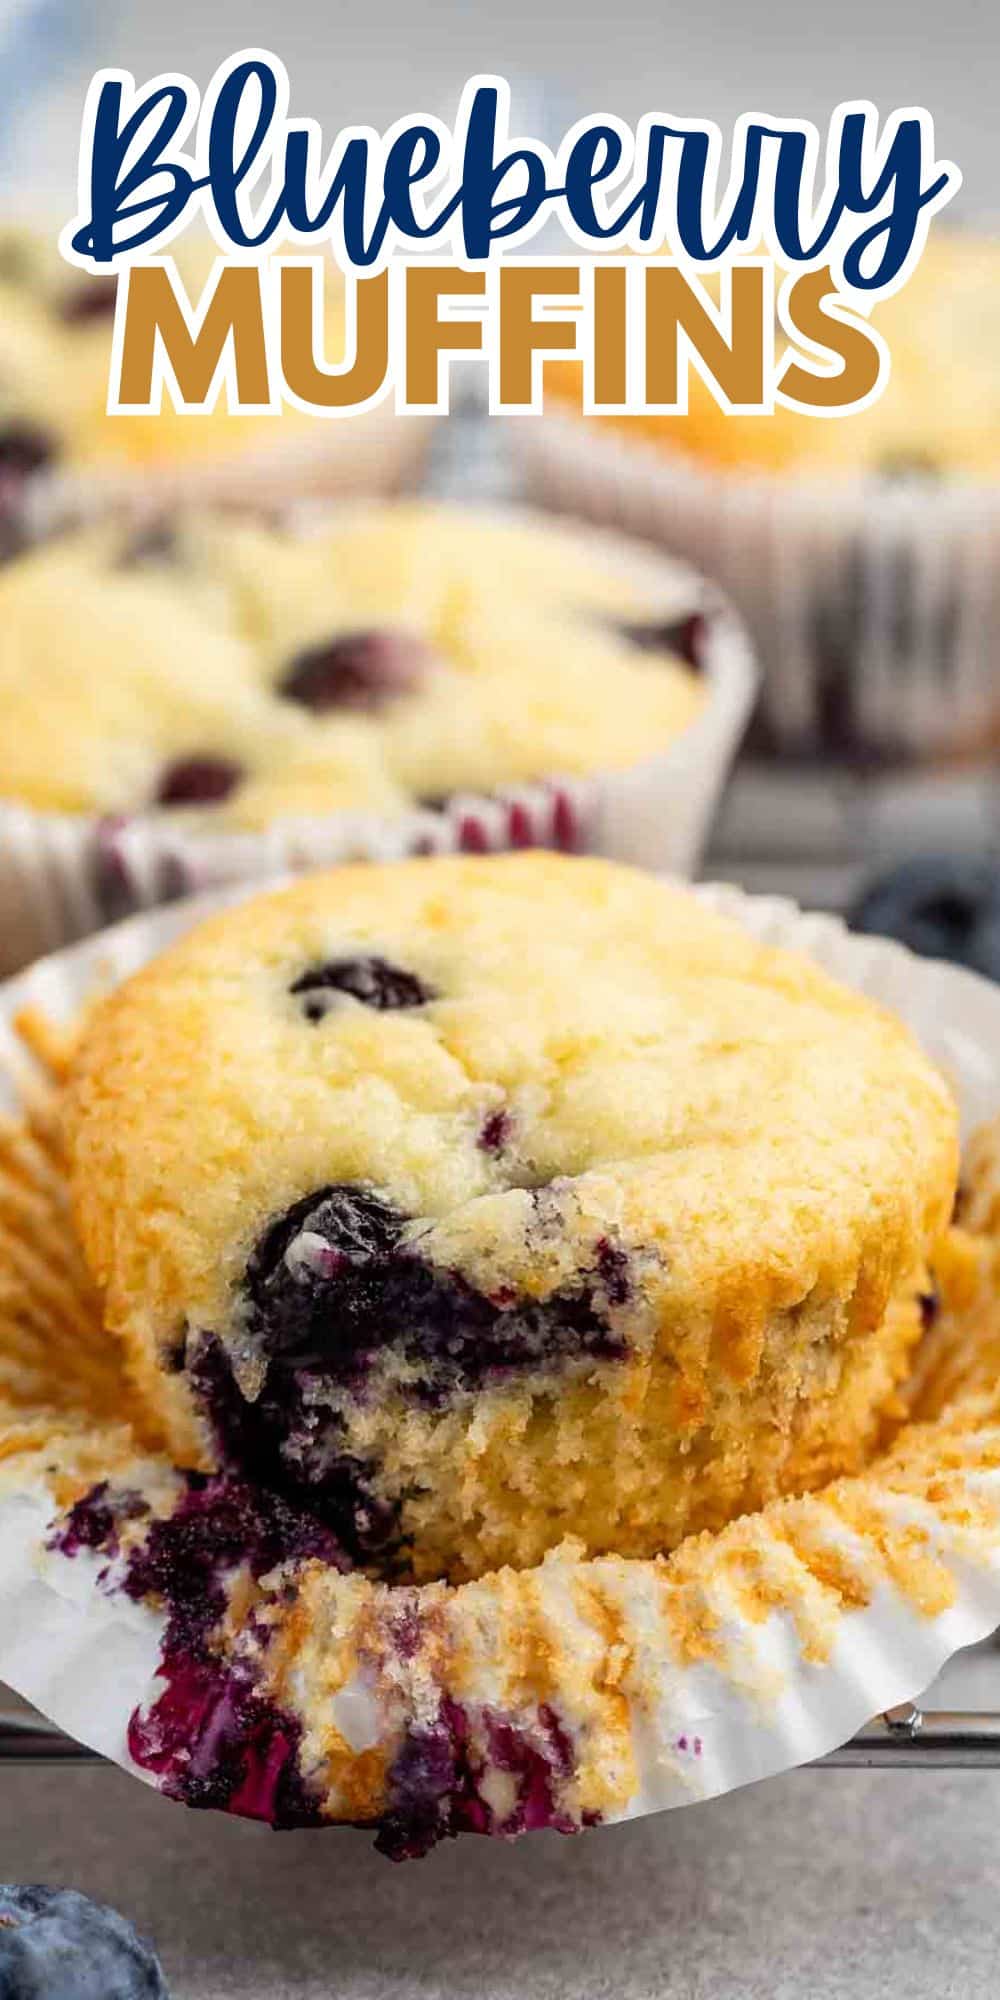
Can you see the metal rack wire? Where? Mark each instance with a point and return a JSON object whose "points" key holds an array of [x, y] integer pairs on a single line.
{"points": [[904, 1738]]}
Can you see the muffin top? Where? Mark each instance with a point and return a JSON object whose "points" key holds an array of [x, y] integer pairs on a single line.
{"points": [[527, 1067], [55, 350], [235, 674], [939, 413]]}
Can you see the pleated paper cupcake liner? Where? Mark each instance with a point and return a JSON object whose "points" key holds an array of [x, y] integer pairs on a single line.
{"points": [[63, 876], [583, 1690], [874, 605]]}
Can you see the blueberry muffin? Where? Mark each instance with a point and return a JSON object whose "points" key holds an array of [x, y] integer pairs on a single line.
{"points": [[476, 1203], [939, 415], [232, 674], [55, 346]]}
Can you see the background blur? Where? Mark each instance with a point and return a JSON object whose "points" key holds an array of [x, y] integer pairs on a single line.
{"points": [[717, 57], [818, 832]]}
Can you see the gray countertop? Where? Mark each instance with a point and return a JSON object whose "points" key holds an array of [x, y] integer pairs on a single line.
{"points": [[822, 1885]]}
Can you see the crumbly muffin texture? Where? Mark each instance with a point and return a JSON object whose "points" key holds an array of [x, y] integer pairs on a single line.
{"points": [[938, 415], [232, 674], [479, 1202]]}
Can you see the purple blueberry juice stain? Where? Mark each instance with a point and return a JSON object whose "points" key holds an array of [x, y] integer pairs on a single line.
{"points": [[373, 981], [211, 1737], [356, 670], [690, 1746], [437, 1784], [613, 1271], [496, 1131], [95, 1521]]}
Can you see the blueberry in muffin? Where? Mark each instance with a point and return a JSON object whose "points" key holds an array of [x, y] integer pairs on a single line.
{"points": [[473, 1204], [238, 675]]}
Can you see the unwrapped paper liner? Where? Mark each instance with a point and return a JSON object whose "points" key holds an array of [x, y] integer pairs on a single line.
{"points": [[63, 876], [874, 605], [584, 1690]]}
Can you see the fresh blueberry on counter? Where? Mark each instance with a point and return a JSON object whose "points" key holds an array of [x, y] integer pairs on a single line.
{"points": [[57, 1945], [942, 906]]}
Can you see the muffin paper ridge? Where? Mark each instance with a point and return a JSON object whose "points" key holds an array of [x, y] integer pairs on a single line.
{"points": [[582, 1690], [63, 876]]}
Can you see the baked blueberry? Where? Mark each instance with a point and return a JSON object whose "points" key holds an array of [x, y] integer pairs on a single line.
{"points": [[57, 1945], [496, 1131], [310, 1278], [198, 781], [24, 449], [941, 905], [372, 980], [91, 299], [356, 670], [402, 654]]}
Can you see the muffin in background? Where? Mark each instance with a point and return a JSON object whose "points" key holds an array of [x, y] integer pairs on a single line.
{"points": [[863, 550], [938, 417], [55, 343], [208, 700], [232, 674]]}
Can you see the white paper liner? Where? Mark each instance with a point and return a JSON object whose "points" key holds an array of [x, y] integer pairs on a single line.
{"points": [[874, 605], [374, 454], [63, 876], [744, 1654]]}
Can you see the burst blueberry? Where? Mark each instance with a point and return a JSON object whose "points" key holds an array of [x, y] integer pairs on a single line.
{"points": [[372, 980]]}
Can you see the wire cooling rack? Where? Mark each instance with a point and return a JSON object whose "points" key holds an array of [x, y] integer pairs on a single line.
{"points": [[908, 1737]]}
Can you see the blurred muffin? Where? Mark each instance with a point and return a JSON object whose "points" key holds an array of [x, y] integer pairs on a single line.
{"points": [[233, 675], [863, 550], [939, 415], [55, 343]]}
